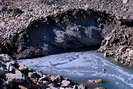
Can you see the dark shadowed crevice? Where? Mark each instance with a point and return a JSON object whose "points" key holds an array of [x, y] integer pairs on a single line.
{"points": [[127, 22], [72, 30]]}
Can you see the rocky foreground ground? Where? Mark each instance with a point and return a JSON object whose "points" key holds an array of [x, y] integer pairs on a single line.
{"points": [[19, 18], [15, 76]]}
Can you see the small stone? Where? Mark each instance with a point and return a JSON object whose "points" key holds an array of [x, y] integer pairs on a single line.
{"points": [[68, 88], [2, 73], [62, 88], [86, 6], [11, 69], [53, 87], [121, 61], [23, 68], [81, 86], [122, 49], [100, 88], [22, 87], [34, 81], [75, 87], [2, 23], [43, 78], [56, 78], [45, 82], [30, 74], [17, 77], [125, 1], [33, 75], [89, 82], [5, 58], [53, 78], [102, 49], [98, 81], [65, 83], [131, 54], [104, 70], [50, 84], [105, 54]]}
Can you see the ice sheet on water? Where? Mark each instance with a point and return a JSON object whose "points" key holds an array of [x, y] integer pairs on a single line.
{"points": [[83, 65]]}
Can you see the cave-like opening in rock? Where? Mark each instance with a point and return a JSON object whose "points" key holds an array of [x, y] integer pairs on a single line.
{"points": [[72, 30]]}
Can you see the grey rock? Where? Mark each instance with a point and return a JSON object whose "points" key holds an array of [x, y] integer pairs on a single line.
{"points": [[100, 88], [23, 68], [16, 77], [34, 75], [43, 78], [2, 73], [81, 86], [3, 85], [56, 78], [54, 88], [5, 58], [125, 1], [65, 83]]}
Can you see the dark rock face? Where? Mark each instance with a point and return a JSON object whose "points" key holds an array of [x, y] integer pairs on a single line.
{"points": [[62, 26], [119, 43], [60, 33], [17, 15]]}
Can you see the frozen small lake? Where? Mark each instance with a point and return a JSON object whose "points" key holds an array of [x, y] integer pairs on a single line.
{"points": [[81, 66]]}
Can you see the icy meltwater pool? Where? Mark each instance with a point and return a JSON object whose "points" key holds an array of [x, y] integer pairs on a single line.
{"points": [[81, 66]]}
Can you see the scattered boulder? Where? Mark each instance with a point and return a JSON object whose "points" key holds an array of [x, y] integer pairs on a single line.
{"points": [[23, 67], [81, 86], [100, 88], [130, 54], [125, 1], [98, 81], [17, 77], [5, 58], [65, 83]]}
